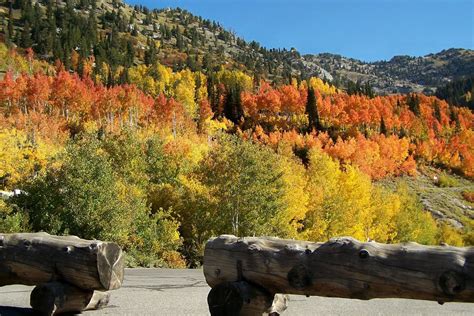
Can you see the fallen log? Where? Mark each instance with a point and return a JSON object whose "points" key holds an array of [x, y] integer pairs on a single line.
{"points": [[343, 267], [56, 298], [37, 258]]}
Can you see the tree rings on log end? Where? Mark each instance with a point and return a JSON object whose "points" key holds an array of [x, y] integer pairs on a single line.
{"points": [[110, 264]]}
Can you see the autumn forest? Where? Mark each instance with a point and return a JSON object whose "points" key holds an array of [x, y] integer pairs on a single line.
{"points": [[160, 159]]}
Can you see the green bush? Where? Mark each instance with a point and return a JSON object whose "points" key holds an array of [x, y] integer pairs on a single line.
{"points": [[156, 242], [12, 221], [447, 181], [449, 235], [96, 195], [412, 223]]}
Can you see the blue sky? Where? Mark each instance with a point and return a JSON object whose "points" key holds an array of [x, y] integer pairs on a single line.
{"points": [[364, 29]]}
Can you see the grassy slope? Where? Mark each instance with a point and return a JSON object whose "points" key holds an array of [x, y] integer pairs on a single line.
{"points": [[445, 203]]}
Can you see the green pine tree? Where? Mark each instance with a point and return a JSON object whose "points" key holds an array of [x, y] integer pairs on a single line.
{"points": [[383, 127], [9, 32], [233, 109], [150, 57], [312, 111], [437, 110], [25, 39], [413, 102]]}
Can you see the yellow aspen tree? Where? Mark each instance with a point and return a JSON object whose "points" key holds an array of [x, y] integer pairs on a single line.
{"points": [[323, 175], [184, 90], [288, 221]]}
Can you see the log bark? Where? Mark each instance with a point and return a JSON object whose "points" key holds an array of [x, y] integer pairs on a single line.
{"points": [[37, 258], [343, 267], [55, 298], [244, 299]]}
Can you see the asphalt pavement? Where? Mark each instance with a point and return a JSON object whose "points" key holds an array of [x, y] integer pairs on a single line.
{"points": [[184, 292]]}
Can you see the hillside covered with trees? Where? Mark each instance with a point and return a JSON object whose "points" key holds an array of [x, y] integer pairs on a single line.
{"points": [[159, 157], [117, 35]]}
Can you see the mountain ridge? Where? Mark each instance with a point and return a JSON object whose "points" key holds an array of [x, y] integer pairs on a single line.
{"points": [[402, 73], [184, 40]]}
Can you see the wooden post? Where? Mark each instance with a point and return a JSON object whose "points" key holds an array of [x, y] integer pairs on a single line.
{"points": [[37, 258], [56, 298], [245, 299], [343, 267]]}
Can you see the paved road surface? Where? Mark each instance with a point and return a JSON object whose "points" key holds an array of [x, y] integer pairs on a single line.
{"points": [[184, 292]]}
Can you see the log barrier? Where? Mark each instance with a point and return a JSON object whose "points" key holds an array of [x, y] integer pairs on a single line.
{"points": [[70, 274], [246, 274]]}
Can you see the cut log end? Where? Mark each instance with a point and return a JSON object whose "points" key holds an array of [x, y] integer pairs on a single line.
{"points": [[110, 265]]}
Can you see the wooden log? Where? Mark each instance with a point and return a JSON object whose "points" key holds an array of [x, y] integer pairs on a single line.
{"points": [[343, 267], [37, 258], [244, 299], [55, 298]]}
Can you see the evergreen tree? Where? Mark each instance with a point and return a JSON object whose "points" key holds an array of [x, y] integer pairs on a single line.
{"points": [[233, 109], [191, 62], [413, 102], [134, 31], [213, 93], [207, 61], [368, 90], [25, 39], [37, 26], [27, 14], [148, 19], [58, 52], [312, 111], [9, 34], [92, 27], [130, 54], [150, 57], [437, 111], [18, 4], [454, 117], [383, 128], [459, 92], [180, 41], [353, 87], [50, 28]]}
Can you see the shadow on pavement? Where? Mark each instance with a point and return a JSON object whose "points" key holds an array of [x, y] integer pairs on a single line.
{"points": [[16, 311], [21, 311]]}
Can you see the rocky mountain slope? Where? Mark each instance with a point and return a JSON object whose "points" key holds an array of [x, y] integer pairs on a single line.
{"points": [[401, 74], [181, 39]]}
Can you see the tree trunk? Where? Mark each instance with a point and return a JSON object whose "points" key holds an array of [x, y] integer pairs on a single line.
{"points": [[56, 298], [343, 267], [37, 258]]}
